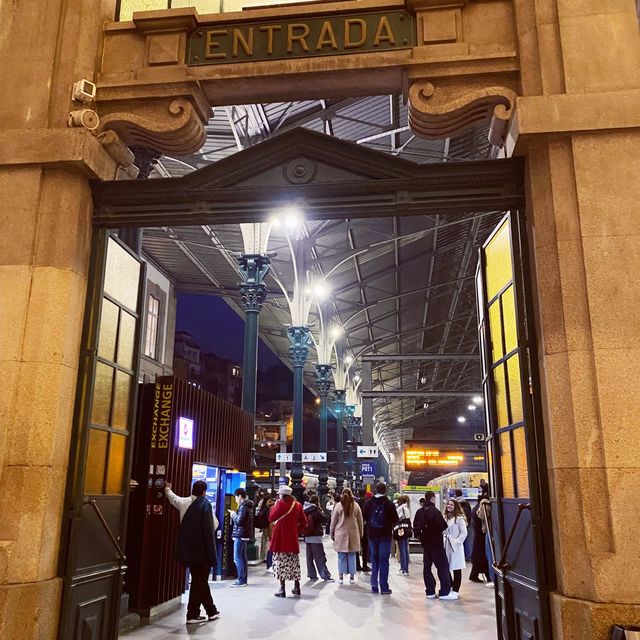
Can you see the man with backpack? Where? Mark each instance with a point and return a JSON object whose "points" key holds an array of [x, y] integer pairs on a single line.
{"points": [[313, 531], [428, 526], [380, 515]]}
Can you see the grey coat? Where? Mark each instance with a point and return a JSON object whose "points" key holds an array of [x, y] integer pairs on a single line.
{"points": [[346, 532]]}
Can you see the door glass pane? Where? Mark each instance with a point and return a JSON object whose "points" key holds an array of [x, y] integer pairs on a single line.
{"points": [[108, 330], [509, 319], [515, 389], [501, 396], [498, 260], [115, 472], [96, 458], [122, 399], [495, 328], [121, 279], [126, 340], [102, 389], [522, 468], [508, 489]]}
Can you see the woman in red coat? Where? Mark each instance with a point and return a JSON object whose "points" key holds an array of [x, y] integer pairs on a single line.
{"points": [[288, 520]]}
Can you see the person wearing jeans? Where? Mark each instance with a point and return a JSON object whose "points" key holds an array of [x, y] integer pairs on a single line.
{"points": [[428, 526], [380, 516], [404, 528], [316, 557], [241, 534]]}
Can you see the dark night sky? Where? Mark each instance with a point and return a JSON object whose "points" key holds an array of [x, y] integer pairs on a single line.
{"points": [[217, 328]]}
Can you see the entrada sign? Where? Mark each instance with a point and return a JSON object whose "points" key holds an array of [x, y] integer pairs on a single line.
{"points": [[325, 36]]}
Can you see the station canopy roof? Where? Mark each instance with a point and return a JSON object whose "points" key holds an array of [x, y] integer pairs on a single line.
{"points": [[398, 285]]}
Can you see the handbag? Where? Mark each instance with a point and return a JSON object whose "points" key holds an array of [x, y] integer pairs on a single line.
{"points": [[402, 530]]}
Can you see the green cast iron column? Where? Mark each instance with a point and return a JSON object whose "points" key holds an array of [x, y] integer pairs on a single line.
{"points": [[324, 375], [340, 403]]}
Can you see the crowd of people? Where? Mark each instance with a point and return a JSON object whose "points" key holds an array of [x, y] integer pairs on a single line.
{"points": [[366, 529]]}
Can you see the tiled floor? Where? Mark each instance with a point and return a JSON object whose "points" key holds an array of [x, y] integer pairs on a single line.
{"points": [[333, 612]]}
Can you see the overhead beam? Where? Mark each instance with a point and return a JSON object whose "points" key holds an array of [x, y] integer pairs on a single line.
{"points": [[423, 357], [419, 394]]}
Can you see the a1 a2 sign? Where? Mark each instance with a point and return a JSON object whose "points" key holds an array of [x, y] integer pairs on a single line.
{"points": [[368, 452], [306, 457]]}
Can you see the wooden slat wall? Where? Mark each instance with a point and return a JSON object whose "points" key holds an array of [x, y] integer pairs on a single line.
{"points": [[223, 437]]}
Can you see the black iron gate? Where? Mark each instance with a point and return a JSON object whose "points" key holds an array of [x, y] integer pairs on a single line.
{"points": [[515, 441]]}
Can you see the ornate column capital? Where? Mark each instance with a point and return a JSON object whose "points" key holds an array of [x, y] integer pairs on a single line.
{"points": [[300, 338], [253, 297], [253, 269], [324, 375]]}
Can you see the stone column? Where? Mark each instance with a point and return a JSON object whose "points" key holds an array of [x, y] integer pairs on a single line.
{"points": [[349, 420], [45, 240], [340, 396], [300, 338], [324, 374], [579, 126]]}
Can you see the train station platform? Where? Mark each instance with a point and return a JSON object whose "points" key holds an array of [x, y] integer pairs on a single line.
{"points": [[329, 610]]}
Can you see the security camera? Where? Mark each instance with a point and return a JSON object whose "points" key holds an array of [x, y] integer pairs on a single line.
{"points": [[86, 118], [84, 91]]}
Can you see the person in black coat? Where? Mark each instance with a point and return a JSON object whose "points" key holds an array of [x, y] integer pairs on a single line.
{"points": [[197, 549], [479, 563], [428, 526], [243, 530]]}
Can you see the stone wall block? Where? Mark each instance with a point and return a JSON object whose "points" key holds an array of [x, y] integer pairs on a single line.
{"points": [[612, 265], [38, 425], [30, 611], [36, 528], [618, 372], [64, 228], [15, 285], [615, 66], [606, 206], [54, 317], [20, 189]]}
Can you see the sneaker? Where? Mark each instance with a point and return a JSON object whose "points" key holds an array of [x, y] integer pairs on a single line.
{"points": [[401, 572], [270, 570], [388, 592], [352, 580], [488, 585], [452, 595], [340, 581], [237, 583], [328, 580], [476, 580], [198, 620], [313, 579], [431, 596], [366, 569], [214, 616]]}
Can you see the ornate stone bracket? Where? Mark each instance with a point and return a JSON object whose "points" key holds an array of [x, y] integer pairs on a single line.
{"points": [[443, 111], [169, 126]]}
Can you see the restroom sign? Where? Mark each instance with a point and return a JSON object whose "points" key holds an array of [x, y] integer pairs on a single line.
{"points": [[367, 452]]}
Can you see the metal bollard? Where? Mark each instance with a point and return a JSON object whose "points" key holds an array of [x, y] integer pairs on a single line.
{"points": [[625, 633]]}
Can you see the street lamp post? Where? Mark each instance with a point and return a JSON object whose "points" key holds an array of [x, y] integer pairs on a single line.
{"points": [[253, 269], [340, 396], [300, 338], [324, 374]]}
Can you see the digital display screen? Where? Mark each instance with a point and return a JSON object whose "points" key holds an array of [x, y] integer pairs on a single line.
{"points": [[185, 433], [423, 457]]}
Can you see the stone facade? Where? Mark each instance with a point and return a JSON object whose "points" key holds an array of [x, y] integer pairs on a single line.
{"points": [[573, 70]]}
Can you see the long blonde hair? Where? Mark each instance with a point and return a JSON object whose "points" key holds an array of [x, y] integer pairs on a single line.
{"points": [[346, 500]]}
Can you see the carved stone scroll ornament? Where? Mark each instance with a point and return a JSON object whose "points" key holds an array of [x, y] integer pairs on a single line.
{"points": [[442, 112], [173, 127]]}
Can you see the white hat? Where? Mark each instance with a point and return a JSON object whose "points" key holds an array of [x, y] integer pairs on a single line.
{"points": [[285, 490]]}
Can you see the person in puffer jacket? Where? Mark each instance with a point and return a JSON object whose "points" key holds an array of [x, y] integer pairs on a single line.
{"points": [[242, 532]]}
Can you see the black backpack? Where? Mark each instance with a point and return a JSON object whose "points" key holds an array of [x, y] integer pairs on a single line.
{"points": [[376, 517]]}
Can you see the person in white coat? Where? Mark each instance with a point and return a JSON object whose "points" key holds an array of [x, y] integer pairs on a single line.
{"points": [[454, 537], [182, 504]]}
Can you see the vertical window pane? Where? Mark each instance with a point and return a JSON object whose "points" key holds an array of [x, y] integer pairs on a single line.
{"points": [[495, 329], [102, 390], [508, 488], [126, 339], [122, 276], [127, 7], [96, 458], [115, 473], [522, 467], [501, 396], [515, 389], [151, 334], [108, 330], [122, 400], [509, 319], [498, 260]]}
